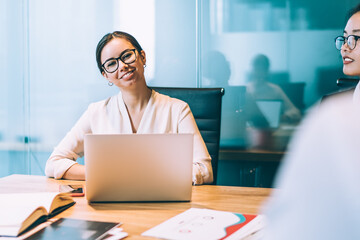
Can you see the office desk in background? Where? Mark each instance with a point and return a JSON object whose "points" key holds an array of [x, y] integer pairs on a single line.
{"points": [[139, 217], [248, 167], [255, 164]]}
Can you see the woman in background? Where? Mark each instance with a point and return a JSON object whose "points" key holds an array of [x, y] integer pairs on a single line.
{"points": [[349, 49], [135, 110]]}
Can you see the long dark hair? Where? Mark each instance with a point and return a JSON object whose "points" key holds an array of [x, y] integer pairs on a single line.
{"points": [[353, 11], [110, 36]]}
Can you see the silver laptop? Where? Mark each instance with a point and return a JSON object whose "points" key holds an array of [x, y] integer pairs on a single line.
{"points": [[138, 167]]}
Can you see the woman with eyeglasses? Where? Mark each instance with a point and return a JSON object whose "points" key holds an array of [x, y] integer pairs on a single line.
{"points": [[349, 49], [136, 109]]}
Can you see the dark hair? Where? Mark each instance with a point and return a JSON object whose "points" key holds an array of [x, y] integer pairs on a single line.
{"points": [[110, 36], [261, 61], [353, 11]]}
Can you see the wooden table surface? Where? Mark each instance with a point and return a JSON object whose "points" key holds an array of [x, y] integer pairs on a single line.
{"points": [[139, 217]]}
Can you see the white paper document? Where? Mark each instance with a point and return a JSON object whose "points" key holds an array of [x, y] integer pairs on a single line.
{"points": [[197, 224]]}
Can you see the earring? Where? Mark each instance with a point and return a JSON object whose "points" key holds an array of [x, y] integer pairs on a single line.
{"points": [[110, 84], [144, 65]]}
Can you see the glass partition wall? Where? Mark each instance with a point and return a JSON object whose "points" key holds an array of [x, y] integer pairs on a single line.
{"points": [[14, 94], [275, 59]]}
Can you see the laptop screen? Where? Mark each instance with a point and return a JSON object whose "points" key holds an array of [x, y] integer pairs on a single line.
{"points": [[271, 109]]}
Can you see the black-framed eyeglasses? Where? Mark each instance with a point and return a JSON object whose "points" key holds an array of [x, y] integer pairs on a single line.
{"points": [[350, 41], [127, 57]]}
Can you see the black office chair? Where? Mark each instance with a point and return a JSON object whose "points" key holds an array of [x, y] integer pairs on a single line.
{"points": [[347, 82], [346, 86], [205, 104]]}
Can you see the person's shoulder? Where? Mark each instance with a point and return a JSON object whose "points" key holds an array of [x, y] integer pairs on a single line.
{"points": [[103, 103], [339, 102], [338, 94], [338, 111], [166, 100], [274, 86]]}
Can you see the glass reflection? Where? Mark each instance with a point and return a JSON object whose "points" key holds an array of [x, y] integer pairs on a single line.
{"points": [[272, 109], [260, 88]]}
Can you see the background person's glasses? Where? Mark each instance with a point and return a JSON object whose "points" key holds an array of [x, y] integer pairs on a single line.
{"points": [[350, 40], [127, 57]]}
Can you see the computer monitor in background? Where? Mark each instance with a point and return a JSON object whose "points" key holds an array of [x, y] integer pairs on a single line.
{"points": [[271, 109]]}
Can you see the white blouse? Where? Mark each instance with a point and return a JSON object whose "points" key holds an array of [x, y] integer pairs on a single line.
{"points": [[163, 114], [356, 96], [317, 195]]}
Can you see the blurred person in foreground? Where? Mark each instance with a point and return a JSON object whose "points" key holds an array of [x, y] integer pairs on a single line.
{"points": [[317, 195]]}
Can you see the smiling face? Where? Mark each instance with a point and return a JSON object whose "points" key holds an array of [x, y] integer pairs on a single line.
{"points": [[351, 58], [127, 75]]}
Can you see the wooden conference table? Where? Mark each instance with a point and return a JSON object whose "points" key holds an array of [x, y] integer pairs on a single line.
{"points": [[139, 217]]}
